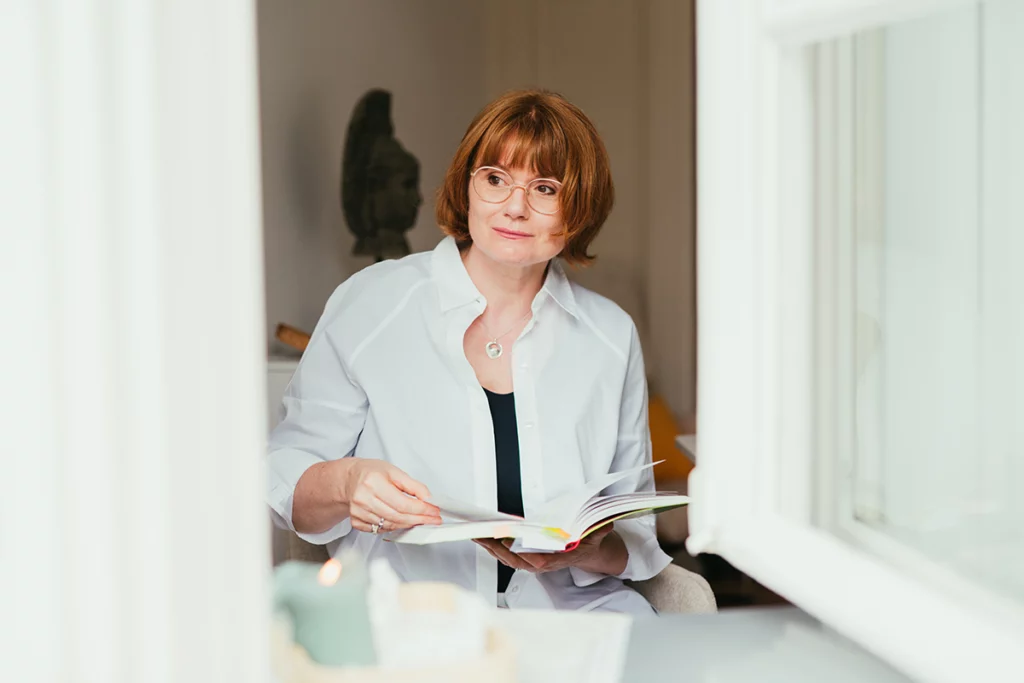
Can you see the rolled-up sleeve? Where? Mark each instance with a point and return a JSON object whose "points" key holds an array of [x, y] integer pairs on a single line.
{"points": [[324, 412], [633, 448]]}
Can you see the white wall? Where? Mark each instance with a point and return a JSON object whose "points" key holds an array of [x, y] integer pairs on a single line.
{"points": [[317, 58]]}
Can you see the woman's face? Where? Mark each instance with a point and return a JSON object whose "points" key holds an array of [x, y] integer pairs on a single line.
{"points": [[512, 232]]}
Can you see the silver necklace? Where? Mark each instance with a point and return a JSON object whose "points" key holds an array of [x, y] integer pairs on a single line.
{"points": [[493, 348]]}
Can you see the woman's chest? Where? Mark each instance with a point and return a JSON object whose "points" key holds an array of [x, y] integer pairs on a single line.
{"points": [[428, 414], [490, 358]]}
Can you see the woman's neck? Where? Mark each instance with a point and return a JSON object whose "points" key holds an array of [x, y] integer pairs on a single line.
{"points": [[509, 290]]}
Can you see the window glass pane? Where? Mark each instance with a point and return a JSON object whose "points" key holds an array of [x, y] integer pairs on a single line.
{"points": [[938, 459]]}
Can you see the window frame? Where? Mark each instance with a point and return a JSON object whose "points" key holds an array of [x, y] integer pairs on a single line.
{"points": [[762, 499]]}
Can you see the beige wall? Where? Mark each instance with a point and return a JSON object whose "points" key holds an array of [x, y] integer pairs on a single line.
{"points": [[589, 51], [316, 58], [630, 66], [671, 277]]}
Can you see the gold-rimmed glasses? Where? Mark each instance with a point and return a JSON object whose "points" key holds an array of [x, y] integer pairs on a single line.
{"points": [[494, 186]]}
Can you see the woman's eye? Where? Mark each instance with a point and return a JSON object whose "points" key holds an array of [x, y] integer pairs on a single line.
{"points": [[547, 189], [496, 180]]}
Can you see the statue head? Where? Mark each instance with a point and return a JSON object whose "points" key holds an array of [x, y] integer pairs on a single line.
{"points": [[380, 179]]}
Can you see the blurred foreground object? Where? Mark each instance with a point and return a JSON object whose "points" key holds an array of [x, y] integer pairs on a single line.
{"points": [[422, 632], [326, 607]]}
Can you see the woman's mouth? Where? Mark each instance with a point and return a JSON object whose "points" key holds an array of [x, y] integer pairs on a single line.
{"points": [[508, 233]]}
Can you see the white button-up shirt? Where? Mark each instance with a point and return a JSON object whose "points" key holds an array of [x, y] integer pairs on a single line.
{"points": [[385, 376]]}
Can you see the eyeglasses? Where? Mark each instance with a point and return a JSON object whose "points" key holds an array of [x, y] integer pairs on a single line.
{"points": [[494, 186]]}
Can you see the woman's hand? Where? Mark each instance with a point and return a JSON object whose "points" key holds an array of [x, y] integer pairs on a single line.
{"points": [[375, 490], [601, 552]]}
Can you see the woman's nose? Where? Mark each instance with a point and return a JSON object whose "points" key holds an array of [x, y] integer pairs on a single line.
{"points": [[516, 204]]}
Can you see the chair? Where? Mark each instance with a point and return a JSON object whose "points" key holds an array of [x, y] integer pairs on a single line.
{"points": [[674, 590]]}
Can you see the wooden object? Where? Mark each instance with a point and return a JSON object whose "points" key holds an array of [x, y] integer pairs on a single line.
{"points": [[292, 336]]}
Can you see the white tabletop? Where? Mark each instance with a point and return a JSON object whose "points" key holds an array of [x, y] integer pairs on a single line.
{"points": [[767, 645], [762, 645]]}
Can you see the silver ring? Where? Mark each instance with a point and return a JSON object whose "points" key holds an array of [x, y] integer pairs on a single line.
{"points": [[381, 522], [374, 528]]}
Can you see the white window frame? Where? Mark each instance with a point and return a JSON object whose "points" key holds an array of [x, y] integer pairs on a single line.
{"points": [[766, 179]]}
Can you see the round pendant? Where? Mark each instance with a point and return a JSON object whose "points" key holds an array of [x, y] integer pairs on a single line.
{"points": [[493, 350]]}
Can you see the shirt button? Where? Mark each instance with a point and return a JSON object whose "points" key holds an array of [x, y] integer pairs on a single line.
{"points": [[514, 589], [528, 425]]}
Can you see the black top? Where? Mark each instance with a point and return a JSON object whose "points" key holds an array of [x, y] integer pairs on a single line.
{"points": [[506, 452]]}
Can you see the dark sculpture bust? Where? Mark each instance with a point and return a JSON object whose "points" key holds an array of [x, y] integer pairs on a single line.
{"points": [[380, 181]]}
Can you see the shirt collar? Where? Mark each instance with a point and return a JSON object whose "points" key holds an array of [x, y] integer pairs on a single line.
{"points": [[455, 288], [558, 287]]}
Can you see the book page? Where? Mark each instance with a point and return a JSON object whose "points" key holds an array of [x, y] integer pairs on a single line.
{"points": [[561, 512], [458, 531], [465, 511], [639, 505], [624, 509]]}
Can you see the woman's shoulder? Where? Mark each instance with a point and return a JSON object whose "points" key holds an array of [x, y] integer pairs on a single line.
{"points": [[376, 291], [606, 320], [601, 310]]}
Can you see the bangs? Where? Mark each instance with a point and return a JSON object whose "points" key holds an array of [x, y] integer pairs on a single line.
{"points": [[535, 145], [541, 133]]}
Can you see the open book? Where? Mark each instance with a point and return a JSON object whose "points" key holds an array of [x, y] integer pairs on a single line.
{"points": [[557, 526]]}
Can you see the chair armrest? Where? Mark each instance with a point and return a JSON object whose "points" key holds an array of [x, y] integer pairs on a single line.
{"points": [[677, 590]]}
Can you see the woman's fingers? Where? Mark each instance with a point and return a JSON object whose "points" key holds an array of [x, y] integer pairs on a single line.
{"points": [[409, 485], [484, 545], [399, 502], [393, 519], [362, 519], [376, 495], [503, 554], [494, 553], [489, 545], [369, 508], [597, 535], [539, 561]]}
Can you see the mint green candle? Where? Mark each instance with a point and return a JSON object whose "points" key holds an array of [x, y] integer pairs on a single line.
{"points": [[328, 609]]}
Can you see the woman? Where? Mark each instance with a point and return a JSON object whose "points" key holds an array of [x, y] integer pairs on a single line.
{"points": [[480, 372]]}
